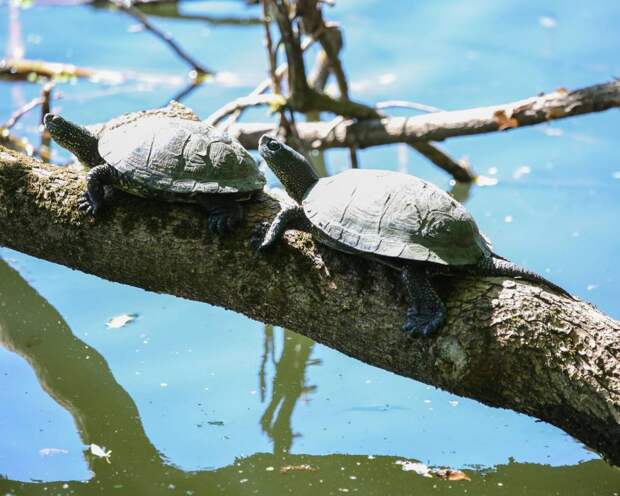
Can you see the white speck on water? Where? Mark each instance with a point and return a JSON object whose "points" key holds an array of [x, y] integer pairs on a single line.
{"points": [[553, 131], [387, 78], [367, 381], [243, 481], [370, 457], [52, 451], [500, 484], [453, 403], [547, 22], [427, 401], [590, 287], [616, 175], [269, 469], [163, 384], [486, 181], [521, 171], [352, 477], [492, 170], [253, 392], [508, 219]]}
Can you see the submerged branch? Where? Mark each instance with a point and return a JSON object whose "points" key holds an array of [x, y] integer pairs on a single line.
{"points": [[507, 343]]}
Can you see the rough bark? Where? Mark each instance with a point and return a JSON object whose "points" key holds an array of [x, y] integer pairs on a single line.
{"points": [[441, 125], [506, 343]]}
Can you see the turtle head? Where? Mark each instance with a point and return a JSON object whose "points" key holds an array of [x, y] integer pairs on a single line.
{"points": [[76, 139], [293, 170]]}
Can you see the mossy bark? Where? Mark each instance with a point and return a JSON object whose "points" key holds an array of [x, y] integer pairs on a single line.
{"points": [[507, 343]]}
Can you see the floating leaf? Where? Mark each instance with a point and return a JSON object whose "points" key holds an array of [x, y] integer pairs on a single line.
{"points": [[121, 320], [100, 452], [449, 474]]}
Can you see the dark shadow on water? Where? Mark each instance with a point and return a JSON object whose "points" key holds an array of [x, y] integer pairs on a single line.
{"points": [[80, 380]]}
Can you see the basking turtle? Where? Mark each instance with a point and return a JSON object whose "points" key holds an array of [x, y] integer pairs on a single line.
{"points": [[166, 154], [394, 218]]}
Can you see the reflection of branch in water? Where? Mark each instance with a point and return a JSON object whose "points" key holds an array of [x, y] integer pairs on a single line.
{"points": [[268, 352], [78, 377], [289, 384]]}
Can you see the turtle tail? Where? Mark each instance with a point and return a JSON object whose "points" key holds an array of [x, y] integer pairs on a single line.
{"points": [[495, 265]]}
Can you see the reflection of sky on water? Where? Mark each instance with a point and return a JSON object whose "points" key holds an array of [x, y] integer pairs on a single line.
{"points": [[448, 54]]}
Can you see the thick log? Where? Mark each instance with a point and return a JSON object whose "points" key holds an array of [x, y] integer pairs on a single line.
{"points": [[507, 343]]}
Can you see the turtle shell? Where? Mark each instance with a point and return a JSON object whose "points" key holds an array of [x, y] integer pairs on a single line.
{"points": [[179, 156], [394, 215]]}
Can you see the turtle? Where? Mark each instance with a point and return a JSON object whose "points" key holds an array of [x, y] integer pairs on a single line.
{"points": [[394, 218], [166, 153]]}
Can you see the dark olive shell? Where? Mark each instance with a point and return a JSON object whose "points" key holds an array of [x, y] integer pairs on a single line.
{"points": [[394, 215], [178, 155]]}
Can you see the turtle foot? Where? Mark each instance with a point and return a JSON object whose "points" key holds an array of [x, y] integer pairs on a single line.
{"points": [[88, 205], [224, 217], [257, 238], [422, 324]]}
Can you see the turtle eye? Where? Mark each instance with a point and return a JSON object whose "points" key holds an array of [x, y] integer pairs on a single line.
{"points": [[273, 145]]}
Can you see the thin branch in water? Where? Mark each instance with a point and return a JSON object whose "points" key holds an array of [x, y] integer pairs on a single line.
{"points": [[407, 104], [243, 103], [19, 113], [271, 53], [126, 7], [459, 170], [46, 96]]}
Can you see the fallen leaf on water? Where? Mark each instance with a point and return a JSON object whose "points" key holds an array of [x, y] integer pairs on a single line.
{"points": [[451, 475], [121, 320], [503, 121], [100, 452], [297, 468]]}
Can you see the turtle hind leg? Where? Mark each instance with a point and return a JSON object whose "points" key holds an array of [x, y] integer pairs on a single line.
{"points": [[223, 214], [97, 179], [427, 312]]}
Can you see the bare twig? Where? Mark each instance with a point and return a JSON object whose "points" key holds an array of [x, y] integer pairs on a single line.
{"points": [[243, 103], [408, 105], [19, 113], [126, 7], [458, 170], [46, 139], [271, 54]]}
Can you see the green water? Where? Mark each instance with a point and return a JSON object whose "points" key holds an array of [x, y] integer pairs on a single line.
{"points": [[192, 399]]}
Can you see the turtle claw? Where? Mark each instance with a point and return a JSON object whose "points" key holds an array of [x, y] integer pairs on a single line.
{"points": [[88, 206], [257, 238], [423, 324], [221, 223]]}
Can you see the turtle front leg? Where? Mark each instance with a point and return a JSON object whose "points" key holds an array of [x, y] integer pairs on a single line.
{"points": [[223, 214], [96, 180], [427, 312], [267, 234]]}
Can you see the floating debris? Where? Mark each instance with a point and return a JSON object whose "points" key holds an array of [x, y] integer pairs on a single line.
{"points": [[100, 452], [298, 468], [425, 471], [121, 320]]}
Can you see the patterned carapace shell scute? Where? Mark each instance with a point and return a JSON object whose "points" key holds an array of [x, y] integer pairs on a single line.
{"points": [[394, 215], [178, 156]]}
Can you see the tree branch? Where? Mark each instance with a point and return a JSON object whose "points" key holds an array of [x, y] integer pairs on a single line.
{"points": [[442, 125], [506, 343]]}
